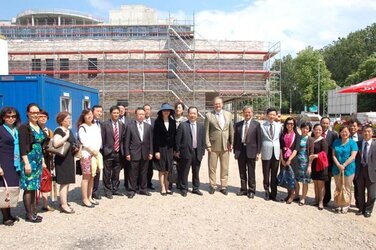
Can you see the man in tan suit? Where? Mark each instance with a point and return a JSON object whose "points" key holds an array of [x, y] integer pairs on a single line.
{"points": [[219, 139]]}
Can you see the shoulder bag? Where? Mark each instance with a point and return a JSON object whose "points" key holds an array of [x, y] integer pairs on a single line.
{"points": [[8, 195], [61, 151]]}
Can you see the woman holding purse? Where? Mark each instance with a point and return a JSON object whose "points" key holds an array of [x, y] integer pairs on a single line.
{"points": [[290, 143], [9, 155], [64, 165], [91, 143], [31, 142], [344, 153]]}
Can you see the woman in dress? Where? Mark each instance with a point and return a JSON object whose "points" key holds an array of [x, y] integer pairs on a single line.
{"points": [[48, 157], [305, 150], [163, 144], [64, 165], [31, 140], [344, 153], [319, 176], [9, 155], [290, 143], [91, 143]]}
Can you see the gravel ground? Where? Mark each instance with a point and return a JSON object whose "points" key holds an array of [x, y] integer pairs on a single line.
{"points": [[206, 222]]}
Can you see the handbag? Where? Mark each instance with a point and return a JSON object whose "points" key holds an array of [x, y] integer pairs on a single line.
{"points": [[341, 196], [173, 174], [8, 195], [286, 178], [61, 151], [46, 181]]}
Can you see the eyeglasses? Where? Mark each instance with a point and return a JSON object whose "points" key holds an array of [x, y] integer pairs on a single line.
{"points": [[290, 123], [10, 116], [34, 113]]}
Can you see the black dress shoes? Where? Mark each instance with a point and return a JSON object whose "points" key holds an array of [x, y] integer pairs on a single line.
{"points": [[131, 195], [146, 193], [267, 195], [251, 195], [184, 193], [96, 196], [211, 190], [367, 214], [151, 187], [241, 193], [108, 196], [359, 212], [196, 191], [117, 193], [33, 219], [224, 191]]}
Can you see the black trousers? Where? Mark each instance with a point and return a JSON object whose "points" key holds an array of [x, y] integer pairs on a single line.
{"points": [[270, 171], [96, 182], [247, 171], [185, 165], [138, 171], [328, 189], [150, 172], [363, 182], [111, 172], [127, 167]]}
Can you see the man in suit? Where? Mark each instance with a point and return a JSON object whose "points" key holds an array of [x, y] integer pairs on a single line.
{"points": [[190, 148], [123, 117], [139, 151], [150, 121], [247, 149], [330, 136], [270, 151], [113, 150], [97, 114], [365, 175], [219, 139], [354, 125]]}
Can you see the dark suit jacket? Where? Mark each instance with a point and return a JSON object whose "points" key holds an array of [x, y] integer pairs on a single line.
{"points": [[371, 160], [137, 149], [253, 139], [184, 140], [108, 139]]}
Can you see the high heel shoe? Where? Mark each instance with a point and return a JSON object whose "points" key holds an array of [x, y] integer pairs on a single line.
{"points": [[33, 219], [163, 193], [88, 206], [62, 210]]}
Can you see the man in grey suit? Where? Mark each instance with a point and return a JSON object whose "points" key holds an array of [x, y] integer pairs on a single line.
{"points": [[330, 136], [270, 151], [138, 150], [219, 140], [247, 148], [113, 151], [190, 148], [365, 175]]}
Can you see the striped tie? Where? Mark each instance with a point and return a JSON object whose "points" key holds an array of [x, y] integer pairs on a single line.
{"points": [[116, 134]]}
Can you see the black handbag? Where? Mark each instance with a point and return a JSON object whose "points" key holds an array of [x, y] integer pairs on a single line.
{"points": [[286, 178]]}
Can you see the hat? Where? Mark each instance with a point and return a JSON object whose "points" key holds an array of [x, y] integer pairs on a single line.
{"points": [[166, 106]]}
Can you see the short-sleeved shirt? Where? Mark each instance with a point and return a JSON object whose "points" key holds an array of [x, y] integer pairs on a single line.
{"points": [[343, 152]]}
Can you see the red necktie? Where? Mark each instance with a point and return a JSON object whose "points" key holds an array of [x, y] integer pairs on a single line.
{"points": [[116, 135], [323, 134]]}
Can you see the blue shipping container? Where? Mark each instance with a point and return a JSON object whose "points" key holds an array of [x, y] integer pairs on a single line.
{"points": [[52, 95]]}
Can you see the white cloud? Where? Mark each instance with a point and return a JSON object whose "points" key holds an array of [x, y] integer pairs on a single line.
{"points": [[296, 23]]}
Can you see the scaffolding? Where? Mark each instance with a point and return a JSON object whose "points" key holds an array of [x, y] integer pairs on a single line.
{"points": [[176, 64]]}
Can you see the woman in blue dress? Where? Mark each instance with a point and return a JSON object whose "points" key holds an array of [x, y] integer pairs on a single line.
{"points": [[344, 153], [303, 175], [9, 155], [32, 139]]}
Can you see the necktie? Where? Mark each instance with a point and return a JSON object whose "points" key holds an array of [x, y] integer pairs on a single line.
{"points": [[245, 132], [271, 131], [365, 153], [116, 135], [194, 135], [323, 134], [140, 130]]}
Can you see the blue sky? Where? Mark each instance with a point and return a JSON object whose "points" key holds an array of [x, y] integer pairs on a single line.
{"points": [[295, 23]]}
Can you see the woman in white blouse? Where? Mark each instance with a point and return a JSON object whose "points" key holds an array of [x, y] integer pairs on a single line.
{"points": [[91, 142]]}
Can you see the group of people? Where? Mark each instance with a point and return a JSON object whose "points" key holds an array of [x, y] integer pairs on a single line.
{"points": [[173, 142]]}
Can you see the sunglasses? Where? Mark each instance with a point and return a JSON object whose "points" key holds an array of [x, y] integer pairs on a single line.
{"points": [[10, 116]]}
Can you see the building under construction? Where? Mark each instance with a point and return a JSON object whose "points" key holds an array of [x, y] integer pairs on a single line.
{"points": [[137, 58]]}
